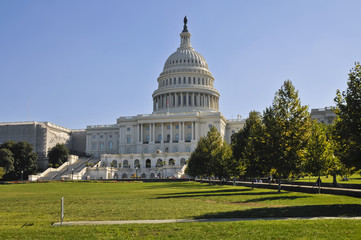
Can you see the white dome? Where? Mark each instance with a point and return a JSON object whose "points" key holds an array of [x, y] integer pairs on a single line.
{"points": [[185, 57]]}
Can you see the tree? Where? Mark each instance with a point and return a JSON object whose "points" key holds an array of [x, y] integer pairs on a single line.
{"points": [[212, 156], [58, 154], [2, 172], [348, 124], [6, 160], [247, 146], [287, 127], [25, 160], [319, 152]]}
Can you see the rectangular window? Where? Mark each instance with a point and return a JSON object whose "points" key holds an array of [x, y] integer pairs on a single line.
{"points": [[128, 140], [128, 129], [176, 126], [168, 126], [94, 146], [189, 126], [101, 146]]}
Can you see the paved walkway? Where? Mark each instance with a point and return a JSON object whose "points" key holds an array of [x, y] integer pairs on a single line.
{"points": [[193, 220]]}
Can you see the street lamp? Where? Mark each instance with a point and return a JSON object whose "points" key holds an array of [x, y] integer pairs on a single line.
{"points": [[22, 174], [72, 172]]}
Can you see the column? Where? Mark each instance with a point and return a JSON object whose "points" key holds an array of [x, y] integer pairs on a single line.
{"points": [[162, 134], [141, 133], [193, 102], [179, 131], [171, 133], [199, 100], [197, 131], [187, 100], [181, 99], [138, 133], [183, 131]]}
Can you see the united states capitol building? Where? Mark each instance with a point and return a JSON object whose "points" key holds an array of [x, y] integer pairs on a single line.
{"points": [[185, 107]]}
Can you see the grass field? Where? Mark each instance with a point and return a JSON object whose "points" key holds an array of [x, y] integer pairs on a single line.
{"points": [[28, 210]]}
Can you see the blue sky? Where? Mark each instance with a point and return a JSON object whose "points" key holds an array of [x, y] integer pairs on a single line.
{"points": [[82, 63]]}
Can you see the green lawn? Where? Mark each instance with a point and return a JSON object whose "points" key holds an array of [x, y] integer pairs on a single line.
{"points": [[28, 210]]}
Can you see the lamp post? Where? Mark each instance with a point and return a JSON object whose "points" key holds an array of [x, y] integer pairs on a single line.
{"points": [[22, 174], [72, 172], [136, 172]]}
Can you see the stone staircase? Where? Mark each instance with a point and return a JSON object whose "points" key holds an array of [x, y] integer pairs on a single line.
{"points": [[71, 170]]}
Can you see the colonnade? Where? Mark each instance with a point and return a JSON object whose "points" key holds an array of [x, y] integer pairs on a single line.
{"points": [[185, 99], [171, 132]]}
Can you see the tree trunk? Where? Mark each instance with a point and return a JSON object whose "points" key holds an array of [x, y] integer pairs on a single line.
{"points": [[234, 181], [334, 182], [279, 184], [209, 180], [201, 179], [252, 184], [319, 185]]}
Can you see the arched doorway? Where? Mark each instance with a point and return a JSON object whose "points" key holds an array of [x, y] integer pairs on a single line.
{"points": [[152, 175], [116, 176], [182, 162], [125, 164], [171, 162], [136, 163], [148, 163], [159, 163], [124, 176], [144, 175]]}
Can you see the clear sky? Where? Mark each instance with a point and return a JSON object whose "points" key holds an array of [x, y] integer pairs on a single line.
{"points": [[81, 62]]}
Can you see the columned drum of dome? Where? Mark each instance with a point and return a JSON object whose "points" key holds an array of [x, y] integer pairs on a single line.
{"points": [[185, 85]]}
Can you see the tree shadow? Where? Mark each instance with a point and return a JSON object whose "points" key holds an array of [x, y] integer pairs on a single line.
{"points": [[274, 198], [336, 210], [214, 191], [216, 194]]}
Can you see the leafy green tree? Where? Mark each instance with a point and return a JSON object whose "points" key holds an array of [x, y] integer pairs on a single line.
{"points": [[2, 172], [319, 153], [348, 125], [287, 127], [58, 154], [6, 160], [212, 156], [25, 160], [247, 146]]}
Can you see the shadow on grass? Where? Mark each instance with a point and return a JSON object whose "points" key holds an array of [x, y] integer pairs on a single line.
{"points": [[244, 192], [210, 191], [274, 198], [337, 210]]}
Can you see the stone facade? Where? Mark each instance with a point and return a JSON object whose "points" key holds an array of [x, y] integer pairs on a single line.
{"points": [[323, 115], [42, 136]]}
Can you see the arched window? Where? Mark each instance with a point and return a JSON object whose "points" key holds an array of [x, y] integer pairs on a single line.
{"points": [[110, 145], [183, 161], [125, 164], [188, 149], [171, 162], [166, 149], [159, 163], [136, 163], [114, 164], [148, 163]]}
